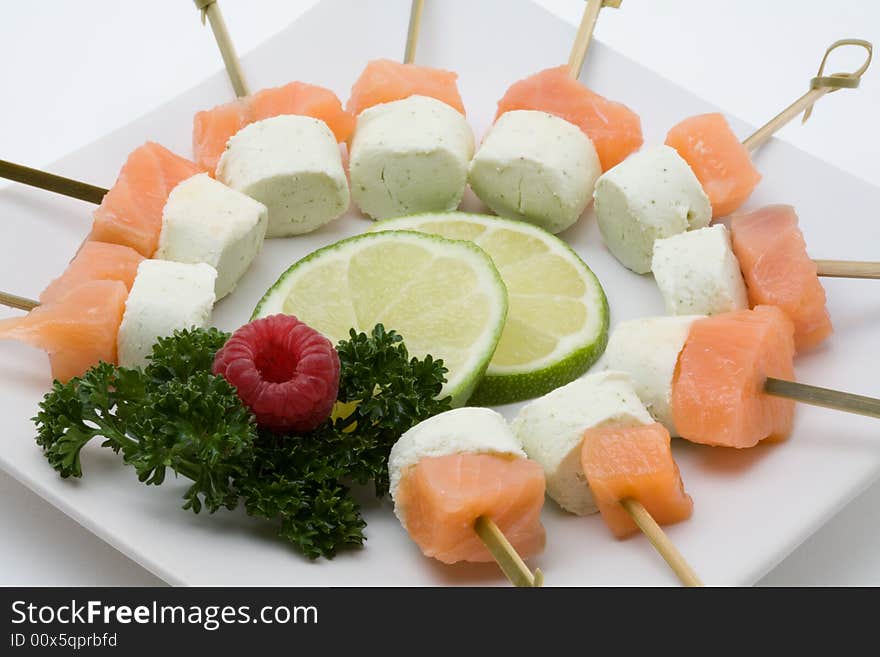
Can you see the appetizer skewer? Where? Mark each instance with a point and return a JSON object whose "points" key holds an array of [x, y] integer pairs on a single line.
{"points": [[725, 380], [761, 260], [601, 450], [163, 206], [465, 491], [723, 165], [290, 164], [551, 139], [113, 320], [412, 144], [702, 171]]}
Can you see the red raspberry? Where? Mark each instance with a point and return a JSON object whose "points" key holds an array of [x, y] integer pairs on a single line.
{"points": [[284, 371]]}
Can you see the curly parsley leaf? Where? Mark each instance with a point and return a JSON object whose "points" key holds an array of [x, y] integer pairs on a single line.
{"points": [[385, 393], [173, 415]]}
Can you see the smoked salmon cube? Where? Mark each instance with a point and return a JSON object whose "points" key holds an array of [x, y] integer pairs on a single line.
{"points": [[384, 81], [77, 330], [614, 129], [95, 261], [773, 257], [440, 498], [304, 99], [634, 462], [719, 160], [718, 393], [131, 212], [213, 128]]}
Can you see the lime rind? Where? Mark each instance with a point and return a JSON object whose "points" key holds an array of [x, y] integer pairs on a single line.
{"points": [[574, 353], [460, 383]]}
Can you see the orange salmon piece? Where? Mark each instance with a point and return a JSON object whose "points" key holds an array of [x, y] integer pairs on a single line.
{"points": [[614, 129], [77, 330], [384, 81], [441, 498], [95, 261], [213, 128], [304, 100], [718, 393], [778, 272], [634, 463], [131, 212], [718, 159]]}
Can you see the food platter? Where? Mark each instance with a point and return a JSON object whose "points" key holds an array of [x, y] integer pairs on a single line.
{"points": [[751, 507]]}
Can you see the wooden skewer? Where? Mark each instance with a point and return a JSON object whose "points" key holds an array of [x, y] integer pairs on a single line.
{"points": [[14, 301], [847, 269], [819, 86], [661, 542], [211, 10], [412, 33], [585, 34], [51, 182], [815, 396], [504, 553]]}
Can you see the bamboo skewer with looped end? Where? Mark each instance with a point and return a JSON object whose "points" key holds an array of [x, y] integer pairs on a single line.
{"points": [[412, 33], [210, 10], [819, 86], [585, 34], [658, 538]]}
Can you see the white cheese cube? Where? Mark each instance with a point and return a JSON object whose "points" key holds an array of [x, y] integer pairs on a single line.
{"points": [[647, 350], [698, 274], [535, 167], [461, 430], [409, 156], [166, 296], [206, 221], [551, 430], [292, 165], [650, 195]]}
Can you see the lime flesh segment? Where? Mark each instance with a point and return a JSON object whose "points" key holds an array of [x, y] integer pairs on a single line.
{"points": [[557, 324], [445, 297]]}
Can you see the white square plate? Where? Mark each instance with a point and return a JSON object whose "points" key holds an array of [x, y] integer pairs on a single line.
{"points": [[752, 507]]}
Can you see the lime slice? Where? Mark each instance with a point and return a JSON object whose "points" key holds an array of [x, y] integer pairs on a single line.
{"points": [[444, 297], [557, 325]]}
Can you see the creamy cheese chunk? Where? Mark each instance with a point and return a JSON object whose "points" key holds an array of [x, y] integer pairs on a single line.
{"points": [[647, 350], [166, 296], [206, 221], [650, 195], [292, 165], [698, 273], [461, 430], [535, 167], [551, 430], [409, 156]]}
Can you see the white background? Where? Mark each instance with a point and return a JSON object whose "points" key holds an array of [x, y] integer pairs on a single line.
{"points": [[73, 71]]}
